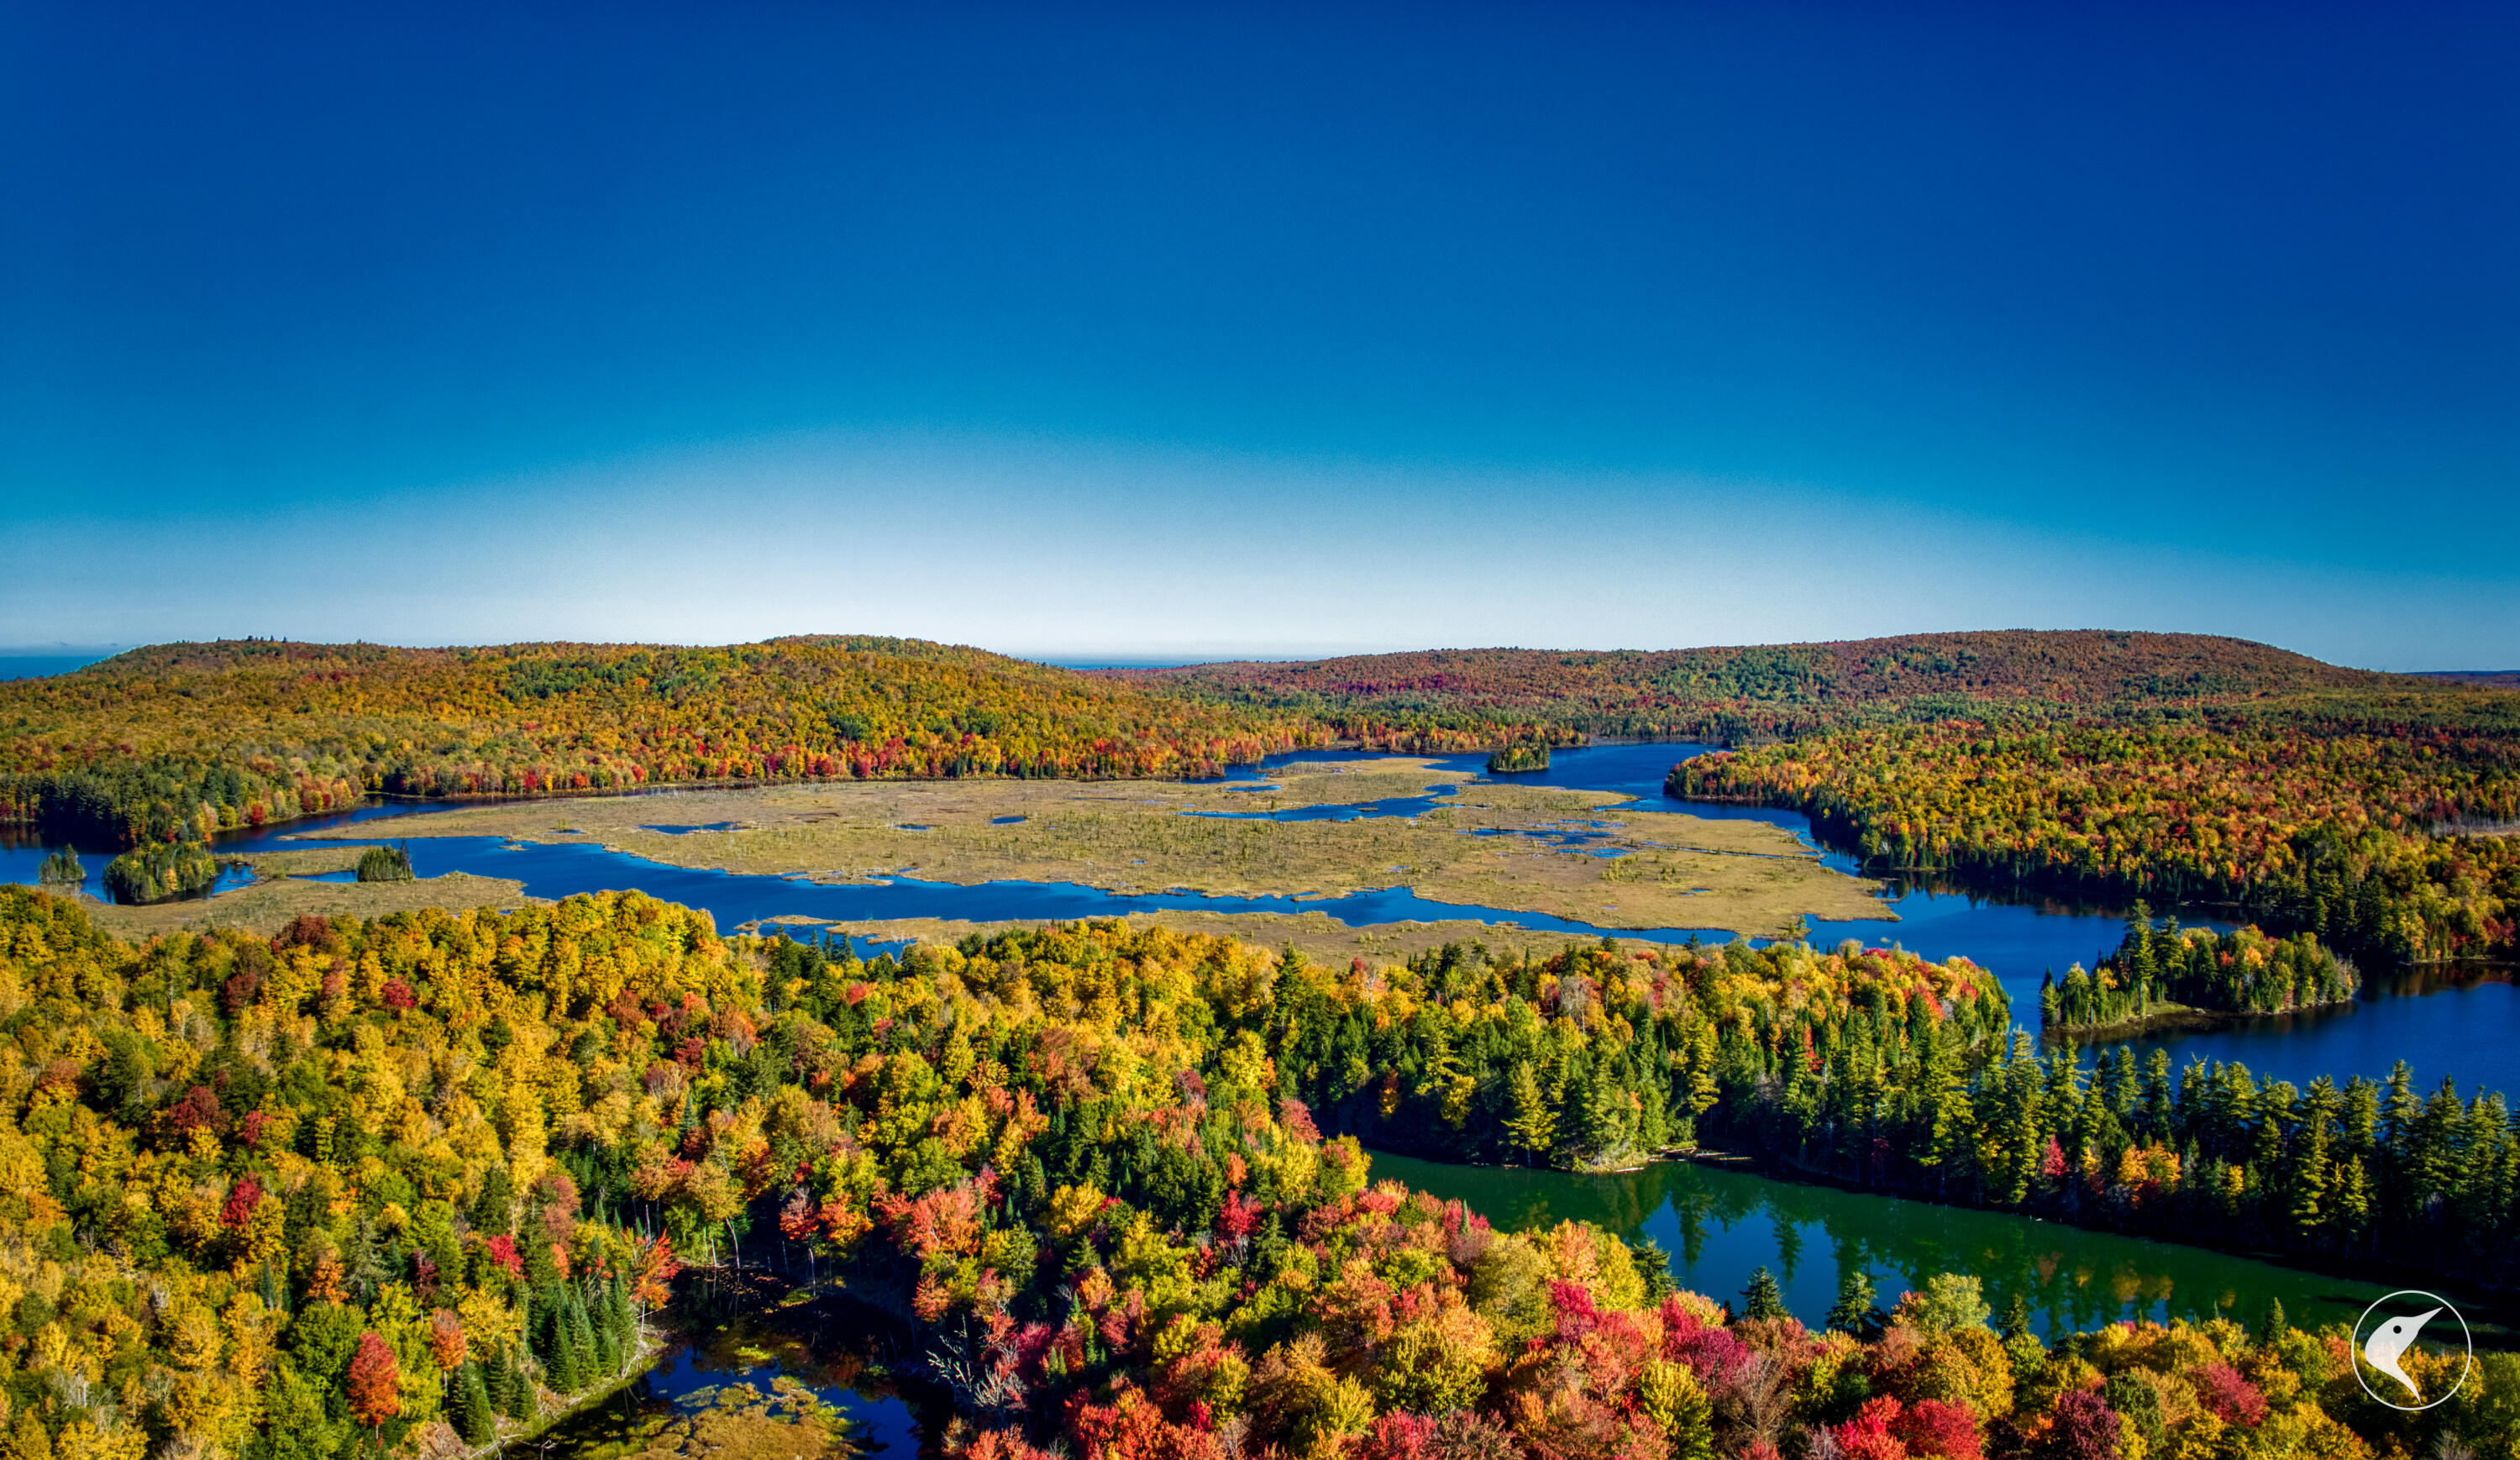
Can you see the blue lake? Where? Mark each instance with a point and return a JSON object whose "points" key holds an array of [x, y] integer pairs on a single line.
{"points": [[2460, 1028], [45, 666]]}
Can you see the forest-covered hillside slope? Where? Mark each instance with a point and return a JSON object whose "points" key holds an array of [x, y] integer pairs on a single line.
{"points": [[1762, 692], [180, 740]]}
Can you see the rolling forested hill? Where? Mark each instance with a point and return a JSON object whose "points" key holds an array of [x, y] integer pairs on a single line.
{"points": [[2372, 810], [1438, 698], [184, 739]]}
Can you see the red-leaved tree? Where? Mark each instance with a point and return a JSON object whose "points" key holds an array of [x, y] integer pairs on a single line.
{"points": [[375, 1382]]}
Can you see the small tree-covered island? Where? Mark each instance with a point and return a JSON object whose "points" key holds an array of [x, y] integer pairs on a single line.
{"points": [[338, 1161], [1515, 759], [2163, 974]]}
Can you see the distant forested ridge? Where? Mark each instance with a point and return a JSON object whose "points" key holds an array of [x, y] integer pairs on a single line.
{"points": [[2374, 810], [1459, 698], [2501, 679], [178, 740]]}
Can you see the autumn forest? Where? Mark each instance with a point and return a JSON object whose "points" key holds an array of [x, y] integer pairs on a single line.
{"points": [[419, 1183]]}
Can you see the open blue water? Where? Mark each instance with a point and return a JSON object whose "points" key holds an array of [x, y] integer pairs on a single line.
{"points": [[2458, 1028], [44, 665], [1398, 806]]}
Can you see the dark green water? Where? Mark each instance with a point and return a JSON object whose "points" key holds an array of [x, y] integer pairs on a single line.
{"points": [[1720, 1225], [741, 1335]]}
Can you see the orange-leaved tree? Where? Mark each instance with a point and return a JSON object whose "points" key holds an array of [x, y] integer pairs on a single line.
{"points": [[376, 1383]]}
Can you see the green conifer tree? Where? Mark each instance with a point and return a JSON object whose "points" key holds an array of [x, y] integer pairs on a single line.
{"points": [[474, 1419], [1653, 1264], [1763, 1298], [582, 1346], [490, 1210], [1531, 1122], [520, 1405], [1854, 1312]]}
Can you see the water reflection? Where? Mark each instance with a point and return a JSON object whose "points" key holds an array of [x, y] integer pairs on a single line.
{"points": [[732, 1329], [1720, 1225]]}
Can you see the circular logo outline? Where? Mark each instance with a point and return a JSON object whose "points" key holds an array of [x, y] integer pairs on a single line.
{"points": [[2467, 1337]]}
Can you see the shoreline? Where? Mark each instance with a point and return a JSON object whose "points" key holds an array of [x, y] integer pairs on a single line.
{"points": [[2499, 1303], [2180, 1019]]}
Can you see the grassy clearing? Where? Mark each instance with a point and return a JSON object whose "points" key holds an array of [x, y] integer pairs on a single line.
{"points": [[306, 862], [1678, 871]]}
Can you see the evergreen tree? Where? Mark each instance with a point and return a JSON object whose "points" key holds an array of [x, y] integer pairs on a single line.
{"points": [[1855, 1312], [620, 1320], [582, 1345], [491, 1209], [495, 1378], [1653, 1264], [518, 1403], [363, 1265], [473, 1417], [1533, 1123], [1763, 1298], [552, 1347], [542, 1269]]}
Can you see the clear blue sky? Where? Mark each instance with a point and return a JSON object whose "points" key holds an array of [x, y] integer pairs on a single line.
{"points": [[1210, 329]]}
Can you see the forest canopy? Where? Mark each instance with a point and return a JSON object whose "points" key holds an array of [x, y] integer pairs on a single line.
{"points": [[1457, 698], [180, 740], [408, 1184]]}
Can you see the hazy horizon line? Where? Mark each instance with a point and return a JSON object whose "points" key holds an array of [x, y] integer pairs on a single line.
{"points": [[1137, 657]]}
